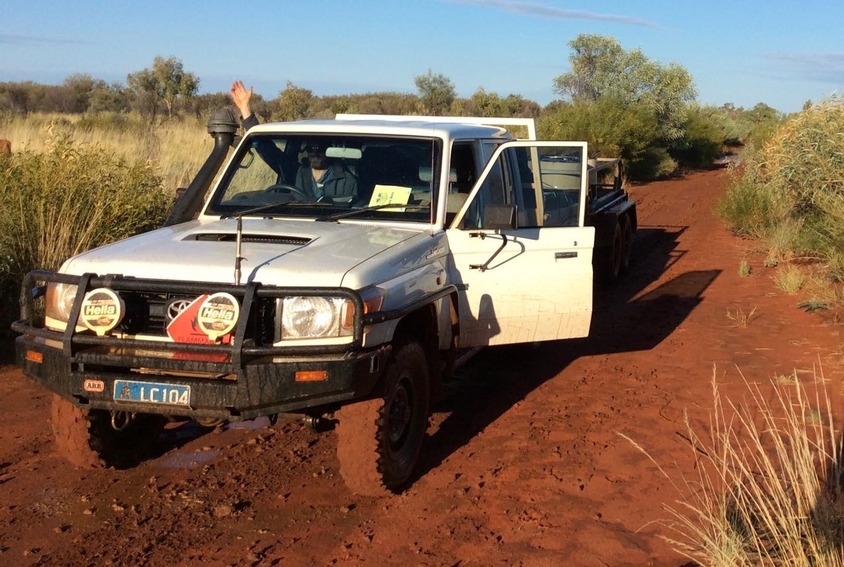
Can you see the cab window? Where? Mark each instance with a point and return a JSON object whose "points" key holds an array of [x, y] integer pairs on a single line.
{"points": [[538, 186]]}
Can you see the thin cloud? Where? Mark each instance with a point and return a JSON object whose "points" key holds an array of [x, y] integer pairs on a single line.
{"points": [[820, 67], [545, 11], [18, 39]]}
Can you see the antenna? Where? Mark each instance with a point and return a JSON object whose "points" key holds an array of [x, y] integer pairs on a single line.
{"points": [[237, 257]]}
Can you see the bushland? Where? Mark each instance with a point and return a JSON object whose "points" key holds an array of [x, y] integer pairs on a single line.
{"points": [[789, 195], [66, 198]]}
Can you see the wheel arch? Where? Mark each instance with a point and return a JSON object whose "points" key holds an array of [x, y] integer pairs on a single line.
{"points": [[422, 325]]}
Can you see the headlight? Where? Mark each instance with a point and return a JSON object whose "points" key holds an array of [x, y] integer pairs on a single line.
{"points": [[316, 317], [59, 303]]}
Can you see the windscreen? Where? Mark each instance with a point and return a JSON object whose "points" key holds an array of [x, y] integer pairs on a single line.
{"points": [[331, 177]]}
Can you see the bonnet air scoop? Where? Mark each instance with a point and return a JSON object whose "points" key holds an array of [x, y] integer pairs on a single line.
{"points": [[256, 238]]}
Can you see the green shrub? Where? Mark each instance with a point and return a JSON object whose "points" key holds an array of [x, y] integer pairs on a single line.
{"points": [[71, 198], [654, 163], [612, 130], [752, 208], [703, 140], [796, 181]]}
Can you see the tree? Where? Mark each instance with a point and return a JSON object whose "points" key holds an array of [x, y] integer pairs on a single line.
{"points": [[293, 103], [762, 113], [78, 89], [375, 103], [612, 130], [16, 97], [519, 106], [483, 103], [167, 82], [704, 139], [601, 68], [203, 106], [436, 92], [108, 98]]}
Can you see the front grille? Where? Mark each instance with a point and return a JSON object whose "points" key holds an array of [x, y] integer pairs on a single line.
{"points": [[146, 312], [149, 313]]}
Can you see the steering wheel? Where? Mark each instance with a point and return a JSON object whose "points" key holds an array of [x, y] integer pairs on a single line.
{"points": [[292, 190]]}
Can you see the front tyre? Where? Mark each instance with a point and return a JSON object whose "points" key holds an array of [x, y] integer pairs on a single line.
{"points": [[379, 440], [88, 438]]}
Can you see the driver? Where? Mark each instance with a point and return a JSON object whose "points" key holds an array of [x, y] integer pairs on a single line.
{"points": [[272, 156], [324, 178], [241, 97]]}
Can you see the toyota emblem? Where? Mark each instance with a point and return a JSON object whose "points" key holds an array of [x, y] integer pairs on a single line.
{"points": [[175, 307]]}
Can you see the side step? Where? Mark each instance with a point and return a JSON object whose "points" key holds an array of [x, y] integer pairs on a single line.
{"points": [[465, 356]]}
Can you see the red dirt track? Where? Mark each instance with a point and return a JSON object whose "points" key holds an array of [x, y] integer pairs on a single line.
{"points": [[523, 464]]}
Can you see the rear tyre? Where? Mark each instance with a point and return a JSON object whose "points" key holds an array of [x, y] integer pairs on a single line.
{"points": [[609, 262], [626, 244], [87, 439], [379, 440]]}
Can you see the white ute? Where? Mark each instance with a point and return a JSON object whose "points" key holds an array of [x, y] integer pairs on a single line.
{"points": [[259, 298]]}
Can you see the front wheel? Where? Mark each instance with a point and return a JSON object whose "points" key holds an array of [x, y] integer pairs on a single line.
{"points": [[97, 438], [379, 440]]}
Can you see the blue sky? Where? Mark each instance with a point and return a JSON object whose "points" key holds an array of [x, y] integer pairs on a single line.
{"points": [[779, 52]]}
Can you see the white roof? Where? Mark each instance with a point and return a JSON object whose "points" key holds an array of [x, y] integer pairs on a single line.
{"points": [[528, 123], [413, 126]]}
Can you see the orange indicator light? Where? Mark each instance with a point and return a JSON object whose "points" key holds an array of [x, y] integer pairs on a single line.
{"points": [[311, 376], [34, 356]]}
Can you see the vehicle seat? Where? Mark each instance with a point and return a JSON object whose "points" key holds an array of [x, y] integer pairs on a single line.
{"points": [[385, 165]]}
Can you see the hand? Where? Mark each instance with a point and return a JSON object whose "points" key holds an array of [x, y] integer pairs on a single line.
{"points": [[240, 97]]}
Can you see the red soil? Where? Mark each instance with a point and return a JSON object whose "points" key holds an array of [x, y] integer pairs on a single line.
{"points": [[523, 463]]}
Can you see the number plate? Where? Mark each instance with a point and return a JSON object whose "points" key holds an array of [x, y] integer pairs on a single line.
{"points": [[151, 393]]}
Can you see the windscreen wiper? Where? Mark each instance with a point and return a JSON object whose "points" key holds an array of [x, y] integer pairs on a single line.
{"points": [[263, 208], [355, 212]]}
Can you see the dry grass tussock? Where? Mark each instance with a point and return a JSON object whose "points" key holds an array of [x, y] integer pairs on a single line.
{"points": [[767, 487], [175, 150], [741, 318], [68, 198]]}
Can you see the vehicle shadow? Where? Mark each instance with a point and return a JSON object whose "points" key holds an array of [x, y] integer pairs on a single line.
{"points": [[174, 436], [624, 320]]}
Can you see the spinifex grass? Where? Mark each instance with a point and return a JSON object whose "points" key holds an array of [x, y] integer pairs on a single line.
{"points": [[768, 483], [71, 197], [744, 268], [789, 279], [741, 318], [174, 150]]}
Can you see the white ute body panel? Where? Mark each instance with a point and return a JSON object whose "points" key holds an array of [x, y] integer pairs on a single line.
{"points": [[538, 287]]}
